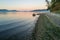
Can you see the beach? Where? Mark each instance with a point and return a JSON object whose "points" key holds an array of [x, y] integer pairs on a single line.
{"points": [[45, 29]]}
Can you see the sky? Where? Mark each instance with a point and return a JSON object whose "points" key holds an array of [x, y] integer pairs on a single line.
{"points": [[22, 4]]}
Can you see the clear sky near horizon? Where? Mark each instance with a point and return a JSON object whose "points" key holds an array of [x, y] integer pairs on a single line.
{"points": [[22, 4]]}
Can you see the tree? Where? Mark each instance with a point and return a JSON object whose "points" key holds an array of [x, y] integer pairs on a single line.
{"points": [[55, 5], [48, 5]]}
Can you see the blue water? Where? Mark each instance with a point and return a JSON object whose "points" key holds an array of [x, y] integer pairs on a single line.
{"points": [[16, 25]]}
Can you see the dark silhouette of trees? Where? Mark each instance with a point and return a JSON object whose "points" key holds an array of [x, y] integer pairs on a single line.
{"points": [[48, 5], [55, 5]]}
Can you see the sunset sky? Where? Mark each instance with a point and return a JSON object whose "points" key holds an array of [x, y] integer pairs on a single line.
{"points": [[22, 4]]}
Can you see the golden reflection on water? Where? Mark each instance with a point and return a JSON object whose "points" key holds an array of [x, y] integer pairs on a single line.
{"points": [[12, 15]]}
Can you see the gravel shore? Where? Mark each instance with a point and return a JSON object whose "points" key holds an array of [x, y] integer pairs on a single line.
{"points": [[45, 29]]}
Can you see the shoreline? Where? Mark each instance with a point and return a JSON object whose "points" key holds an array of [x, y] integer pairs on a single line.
{"points": [[45, 30]]}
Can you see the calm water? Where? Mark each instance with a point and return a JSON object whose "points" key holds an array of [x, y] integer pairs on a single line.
{"points": [[16, 25]]}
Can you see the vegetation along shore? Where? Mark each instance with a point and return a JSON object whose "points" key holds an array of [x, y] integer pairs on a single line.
{"points": [[48, 25]]}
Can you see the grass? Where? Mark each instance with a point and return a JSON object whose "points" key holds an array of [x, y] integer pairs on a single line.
{"points": [[57, 11]]}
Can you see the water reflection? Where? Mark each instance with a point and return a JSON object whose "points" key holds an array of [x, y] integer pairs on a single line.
{"points": [[2, 13], [16, 25]]}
